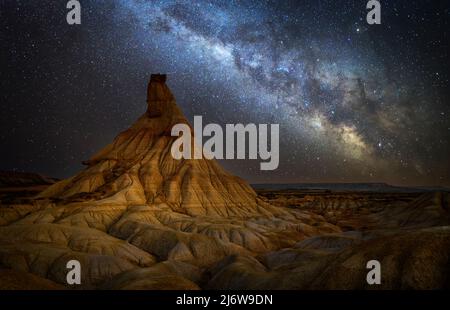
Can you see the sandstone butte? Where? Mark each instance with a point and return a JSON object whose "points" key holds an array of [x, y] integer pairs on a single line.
{"points": [[136, 218]]}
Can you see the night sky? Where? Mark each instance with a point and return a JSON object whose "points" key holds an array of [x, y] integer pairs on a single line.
{"points": [[355, 103]]}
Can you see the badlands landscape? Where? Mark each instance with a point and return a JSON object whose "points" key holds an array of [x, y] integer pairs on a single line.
{"points": [[136, 218]]}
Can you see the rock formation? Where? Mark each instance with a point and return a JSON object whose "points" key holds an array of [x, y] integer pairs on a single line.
{"points": [[18, 179], [138, 169], [136, 218], [135, 206]]}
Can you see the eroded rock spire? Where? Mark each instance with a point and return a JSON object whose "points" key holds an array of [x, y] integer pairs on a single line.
{"points": [[158, 95]]}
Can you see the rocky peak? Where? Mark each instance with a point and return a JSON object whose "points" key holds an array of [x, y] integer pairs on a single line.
{"points": [[158, 95]]}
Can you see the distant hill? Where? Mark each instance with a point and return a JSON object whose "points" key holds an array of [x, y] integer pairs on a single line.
{"points": [[368, 187], [14, 179]]}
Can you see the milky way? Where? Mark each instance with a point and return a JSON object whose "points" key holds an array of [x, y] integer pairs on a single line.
{"points": [[355, 103]]}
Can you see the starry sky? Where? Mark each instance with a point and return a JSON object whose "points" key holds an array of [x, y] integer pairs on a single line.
{"points": [[355, 102]]}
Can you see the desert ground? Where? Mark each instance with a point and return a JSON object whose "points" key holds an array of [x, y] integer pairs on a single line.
{"points": [[331, 236]]}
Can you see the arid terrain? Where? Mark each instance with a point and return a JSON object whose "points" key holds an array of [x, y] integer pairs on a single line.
{"points": [[335, 235], [135, 218]]}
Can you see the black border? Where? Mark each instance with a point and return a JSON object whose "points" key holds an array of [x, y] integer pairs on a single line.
{"points": [[150, 299]]}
